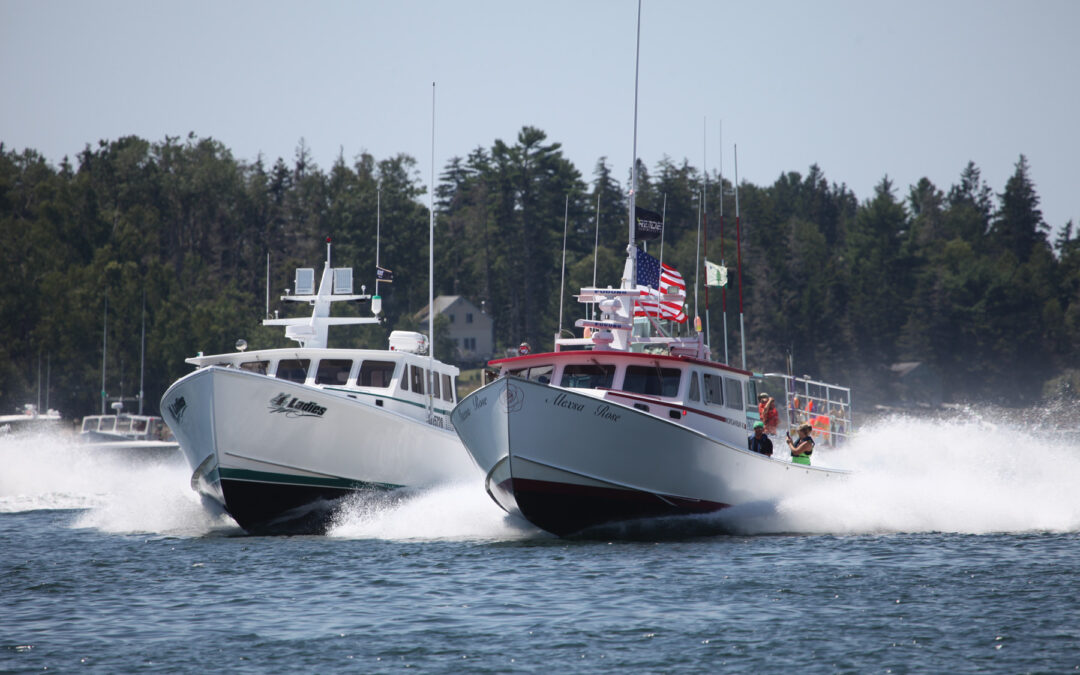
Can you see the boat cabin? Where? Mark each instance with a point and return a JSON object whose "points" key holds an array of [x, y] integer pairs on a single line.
{"points": [[703, 395]]}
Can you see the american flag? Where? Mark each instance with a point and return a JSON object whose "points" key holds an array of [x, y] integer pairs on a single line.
{"points": [[654, 279]]}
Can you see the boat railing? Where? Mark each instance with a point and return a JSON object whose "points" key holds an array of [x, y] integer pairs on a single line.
{"points": [[802, 400]]}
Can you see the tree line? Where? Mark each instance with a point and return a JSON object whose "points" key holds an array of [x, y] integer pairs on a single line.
{"points": [[963, 279]]}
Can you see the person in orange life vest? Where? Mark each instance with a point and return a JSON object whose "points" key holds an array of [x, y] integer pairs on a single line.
{"points": [[803, 446], [768, 413]]}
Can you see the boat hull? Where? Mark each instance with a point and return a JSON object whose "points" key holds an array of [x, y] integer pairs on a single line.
{"points": [[567, 461], [271, 451]]}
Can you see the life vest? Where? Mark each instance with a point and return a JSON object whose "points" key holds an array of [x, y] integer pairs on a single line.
{"points": [[802, 446], [821, 426]]}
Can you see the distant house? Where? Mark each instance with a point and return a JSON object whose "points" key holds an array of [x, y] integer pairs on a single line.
{"points": [[471, 329]]}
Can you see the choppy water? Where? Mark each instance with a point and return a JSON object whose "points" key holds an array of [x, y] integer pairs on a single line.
{"points": [[953, 548]]}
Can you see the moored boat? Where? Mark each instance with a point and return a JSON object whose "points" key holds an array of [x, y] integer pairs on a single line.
{"points": [[132, 434], [272, 434]]}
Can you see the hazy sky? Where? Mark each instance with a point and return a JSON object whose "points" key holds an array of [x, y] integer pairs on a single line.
{"points": [[862, 88]]}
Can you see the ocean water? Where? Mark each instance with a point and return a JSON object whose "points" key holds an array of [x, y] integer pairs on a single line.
{"points": [[953, 547]]}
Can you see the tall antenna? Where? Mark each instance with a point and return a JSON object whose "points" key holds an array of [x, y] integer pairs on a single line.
{"points": [[268, 284], [562, 282], [142, 353], [723, 289], [632, 256], [378, 227], [738, 245], [705, 220], [104, 349], [431, 262]]}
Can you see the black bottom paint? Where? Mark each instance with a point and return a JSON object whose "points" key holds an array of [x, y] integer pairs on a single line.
{"points": [[564, 509], [275, 508]]}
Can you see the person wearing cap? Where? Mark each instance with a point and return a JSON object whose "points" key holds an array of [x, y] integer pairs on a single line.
{"points": [[759, 442], [768, 413], [803, 446]]}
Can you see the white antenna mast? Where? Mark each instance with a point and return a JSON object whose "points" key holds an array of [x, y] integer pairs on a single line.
{"points": [[632, 255], [562, 280], [378, 227], [431, 261], [142, 352]]}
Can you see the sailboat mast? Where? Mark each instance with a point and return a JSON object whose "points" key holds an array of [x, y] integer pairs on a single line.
{"points": [[738, 246], [632, 281]]}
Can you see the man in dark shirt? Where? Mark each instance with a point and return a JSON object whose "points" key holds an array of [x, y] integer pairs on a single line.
{"points": [[759, 442]]}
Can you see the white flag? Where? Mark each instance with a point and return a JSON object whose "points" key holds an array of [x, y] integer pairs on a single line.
{"points": [[715, 275]]}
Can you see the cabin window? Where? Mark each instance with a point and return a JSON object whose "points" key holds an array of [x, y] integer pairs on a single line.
{"points": [[447, 388], [541, 374], [377, 374], [89, 424], [293, 370], [652, 380], [333, 371], [417, 378], [434, 379], [107, 424], [695, 388], [733, 392], [259, 367], [713, 389], [138, 425], [587, 376]]}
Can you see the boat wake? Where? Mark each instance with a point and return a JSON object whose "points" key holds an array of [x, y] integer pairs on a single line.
{"points": [[459, 511], [910, 475], [111, 492]]}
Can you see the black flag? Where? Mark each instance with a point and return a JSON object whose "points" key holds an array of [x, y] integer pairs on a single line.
{"points": [[384, 275], [649, 224]]}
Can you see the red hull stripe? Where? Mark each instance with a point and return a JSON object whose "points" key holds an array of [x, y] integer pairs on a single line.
{"points": [[572, 355]]}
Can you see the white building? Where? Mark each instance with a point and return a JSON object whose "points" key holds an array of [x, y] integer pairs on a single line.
{"points": [[471, 329]]}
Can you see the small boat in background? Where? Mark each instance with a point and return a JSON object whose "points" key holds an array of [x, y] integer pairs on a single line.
{"points": [[137, 435], [30, 420]]}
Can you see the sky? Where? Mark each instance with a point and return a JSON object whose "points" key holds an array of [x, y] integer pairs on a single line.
{"points": [[863, 89]]}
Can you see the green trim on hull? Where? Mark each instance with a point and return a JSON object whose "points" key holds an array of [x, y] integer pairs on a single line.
{"points": [[287, 479]]}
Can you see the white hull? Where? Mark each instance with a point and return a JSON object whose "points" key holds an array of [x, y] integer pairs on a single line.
{"points": [[263, 446], [567, 461]]}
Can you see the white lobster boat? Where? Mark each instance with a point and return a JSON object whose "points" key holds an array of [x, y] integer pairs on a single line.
{"points": [[272, 434], [621, 425]]}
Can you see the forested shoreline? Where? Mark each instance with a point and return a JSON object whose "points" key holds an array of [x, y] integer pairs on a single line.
{"points": [[964, 279]]}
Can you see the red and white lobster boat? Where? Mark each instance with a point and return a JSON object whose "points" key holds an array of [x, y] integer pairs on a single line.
{"points": [[619, 425]]}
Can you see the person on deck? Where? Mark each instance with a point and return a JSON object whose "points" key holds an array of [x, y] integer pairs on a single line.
{"points": [[803, 446], [768, 413], [759, 442]]}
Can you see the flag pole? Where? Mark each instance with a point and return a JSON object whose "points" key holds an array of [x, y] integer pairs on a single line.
{"points": [[697, 266], [738, 245], [663, 222], [562, 281]]}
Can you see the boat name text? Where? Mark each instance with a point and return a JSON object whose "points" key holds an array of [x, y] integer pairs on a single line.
{"points": [[294, 407]]}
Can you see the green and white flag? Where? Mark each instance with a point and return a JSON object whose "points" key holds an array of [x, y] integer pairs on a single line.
{"points": [[715, 275]]}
